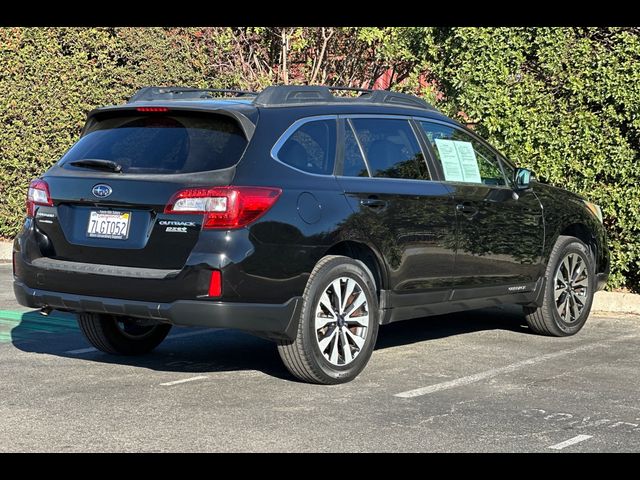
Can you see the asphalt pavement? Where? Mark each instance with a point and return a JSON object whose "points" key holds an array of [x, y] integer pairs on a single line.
{"points": [[469, 382]]}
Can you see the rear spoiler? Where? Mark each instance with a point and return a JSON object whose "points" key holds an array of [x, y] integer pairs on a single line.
{"points": [[248, 127]]}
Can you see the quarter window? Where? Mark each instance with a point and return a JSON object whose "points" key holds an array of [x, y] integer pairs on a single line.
{"points": [[462, 157], [391, 148], [311, 148]]}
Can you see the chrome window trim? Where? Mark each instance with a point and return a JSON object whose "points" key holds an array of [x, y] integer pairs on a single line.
{"points": [[290, 131], [301, 121], [391, 179]]}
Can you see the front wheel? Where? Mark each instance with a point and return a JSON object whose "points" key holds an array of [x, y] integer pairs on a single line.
{"points": [[338, 323], [569, 288], [119, 335]]}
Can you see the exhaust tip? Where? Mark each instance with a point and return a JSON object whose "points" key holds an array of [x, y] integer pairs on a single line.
{"points": [[45, 311]]}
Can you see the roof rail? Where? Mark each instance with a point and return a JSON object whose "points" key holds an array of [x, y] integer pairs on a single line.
{"points": [[281, 95], [184, 93], [350, 89]]}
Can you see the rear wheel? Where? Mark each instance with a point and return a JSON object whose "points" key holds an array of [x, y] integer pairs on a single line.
{"points": [[569, 289], [338, 324], [120, 335]]}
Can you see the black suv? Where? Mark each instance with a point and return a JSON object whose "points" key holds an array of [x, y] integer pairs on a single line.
{"points": [[301, 216]]}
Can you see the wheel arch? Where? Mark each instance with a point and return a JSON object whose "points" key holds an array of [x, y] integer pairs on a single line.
{"points": [[582, 232], [565, 213], [365, 253]]}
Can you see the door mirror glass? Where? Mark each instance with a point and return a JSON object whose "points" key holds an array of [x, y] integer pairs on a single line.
{"points": [[522, 178]]}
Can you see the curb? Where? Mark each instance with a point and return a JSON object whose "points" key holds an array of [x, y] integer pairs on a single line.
{"points": [[615, 302], [6, 249], [612, 302]]}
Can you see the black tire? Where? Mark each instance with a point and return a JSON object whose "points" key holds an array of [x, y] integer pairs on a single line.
{"points": [[120, 335], [303, 356], [547, 320]]}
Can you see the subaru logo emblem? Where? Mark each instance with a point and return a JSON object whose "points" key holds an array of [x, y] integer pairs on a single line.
{"points": [[102, 191]]}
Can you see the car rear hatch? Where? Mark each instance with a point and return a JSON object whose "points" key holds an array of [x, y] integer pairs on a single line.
{"points": [[109, 192]]}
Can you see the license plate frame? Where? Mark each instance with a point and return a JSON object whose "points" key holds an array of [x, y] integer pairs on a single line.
{"points": [[109, 224]]}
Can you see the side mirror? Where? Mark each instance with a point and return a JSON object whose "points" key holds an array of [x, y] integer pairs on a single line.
{"points": [[522, 178]]}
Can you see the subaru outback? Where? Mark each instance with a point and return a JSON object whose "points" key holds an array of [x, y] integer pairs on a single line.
{"points": [[301, 216]]}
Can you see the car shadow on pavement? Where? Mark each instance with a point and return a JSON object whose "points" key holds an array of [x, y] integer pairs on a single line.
{"points": [[222, 350], [508, 318]]}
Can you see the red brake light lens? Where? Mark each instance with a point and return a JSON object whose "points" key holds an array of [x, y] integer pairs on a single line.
{"points": [[215, 284], [38, 194], [152, 109], [224, 207]]}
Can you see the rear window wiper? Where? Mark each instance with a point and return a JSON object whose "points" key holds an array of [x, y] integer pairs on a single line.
{"points": [[98, 164]]}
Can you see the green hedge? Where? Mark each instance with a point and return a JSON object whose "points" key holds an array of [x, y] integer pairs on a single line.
{"points": [[562, 101]]}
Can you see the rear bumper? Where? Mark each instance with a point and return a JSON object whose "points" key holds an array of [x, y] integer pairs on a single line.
{"points": [[250, 274], [270, 320]]}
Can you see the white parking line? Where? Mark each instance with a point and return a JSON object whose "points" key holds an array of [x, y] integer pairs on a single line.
{"points": [[571, 441], [80, 351], [458, 382], [191, 334], [184, 380]]}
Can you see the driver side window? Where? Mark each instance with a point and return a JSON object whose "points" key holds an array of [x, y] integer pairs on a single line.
{"points": [[463, 158]]}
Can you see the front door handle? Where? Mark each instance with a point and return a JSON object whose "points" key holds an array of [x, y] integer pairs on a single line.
{"points": [[373, 203], [466, 208]]}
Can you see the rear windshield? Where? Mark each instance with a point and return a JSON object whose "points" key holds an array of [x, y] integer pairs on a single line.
{"points": [[162, 144]]}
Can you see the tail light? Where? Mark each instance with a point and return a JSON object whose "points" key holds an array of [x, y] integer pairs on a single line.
{"points": [[38, 194], [224, 207]]}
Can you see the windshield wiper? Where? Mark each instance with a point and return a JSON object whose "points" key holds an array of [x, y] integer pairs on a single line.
{"points": [[98, 164]]}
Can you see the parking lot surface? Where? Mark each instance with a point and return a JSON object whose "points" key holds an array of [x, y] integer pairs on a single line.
{"points": [[467, 382]]}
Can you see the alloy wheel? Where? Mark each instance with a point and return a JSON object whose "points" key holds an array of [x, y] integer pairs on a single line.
{"points": [[341, 321], [571, 287]]}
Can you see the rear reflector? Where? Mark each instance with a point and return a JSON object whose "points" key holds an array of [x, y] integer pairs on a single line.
{"points": [[38, 194], [152, 109], [224, 207], [215, 284]]}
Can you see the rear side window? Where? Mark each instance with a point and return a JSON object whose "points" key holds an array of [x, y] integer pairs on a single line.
{"points": [[391, 148], [311, 148], [162, 144]]}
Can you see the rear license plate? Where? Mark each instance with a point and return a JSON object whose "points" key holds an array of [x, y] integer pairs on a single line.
{"points": [[109, 224]]}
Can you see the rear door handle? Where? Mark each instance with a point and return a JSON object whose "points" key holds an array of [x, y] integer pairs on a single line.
{"points": [[465, 208], [373, 203]]}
